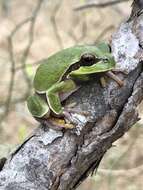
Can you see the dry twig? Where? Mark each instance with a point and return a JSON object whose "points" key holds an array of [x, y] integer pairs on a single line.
{"points": [[32, 20], [99, 5]]}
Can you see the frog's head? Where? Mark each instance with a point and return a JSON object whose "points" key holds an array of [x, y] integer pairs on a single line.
{"points": [[90, 63], [89, 59]]}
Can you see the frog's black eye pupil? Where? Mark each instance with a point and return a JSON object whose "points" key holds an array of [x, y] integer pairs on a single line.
{"points": [[87, 59]]}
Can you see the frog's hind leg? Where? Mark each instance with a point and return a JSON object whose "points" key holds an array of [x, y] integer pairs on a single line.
{"points": [[65, 95], [54, 124], [115, 78], [53, 95], [38, 106]]}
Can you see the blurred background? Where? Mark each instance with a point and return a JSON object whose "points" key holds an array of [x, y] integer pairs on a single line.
{"points": [[33, 30]]}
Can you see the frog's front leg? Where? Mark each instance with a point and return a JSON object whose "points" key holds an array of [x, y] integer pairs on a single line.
{"points": [[53, 96], [118, 70], [115, 78]]}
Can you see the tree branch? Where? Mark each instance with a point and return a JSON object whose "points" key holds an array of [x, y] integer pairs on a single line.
{"points": [[61, 160], [99, 5]]}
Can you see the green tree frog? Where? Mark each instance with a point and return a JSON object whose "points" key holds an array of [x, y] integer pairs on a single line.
{"points": [[60, 73]]}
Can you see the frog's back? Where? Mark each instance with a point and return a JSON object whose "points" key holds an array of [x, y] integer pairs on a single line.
{"points": [[52, 69]]}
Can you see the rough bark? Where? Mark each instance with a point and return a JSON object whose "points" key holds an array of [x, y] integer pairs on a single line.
{"points": [[61, 160]]}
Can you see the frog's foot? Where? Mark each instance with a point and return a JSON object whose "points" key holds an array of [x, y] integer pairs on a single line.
{"points": [[55, 123], [69, 115], [60, 123], [115, 78]]}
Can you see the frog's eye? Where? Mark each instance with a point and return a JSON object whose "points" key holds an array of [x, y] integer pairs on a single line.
{"points": [[87, 59]]}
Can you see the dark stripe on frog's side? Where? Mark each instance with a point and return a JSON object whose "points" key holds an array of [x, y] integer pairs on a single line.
{"points": [[73, 67], [82, 62]]}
